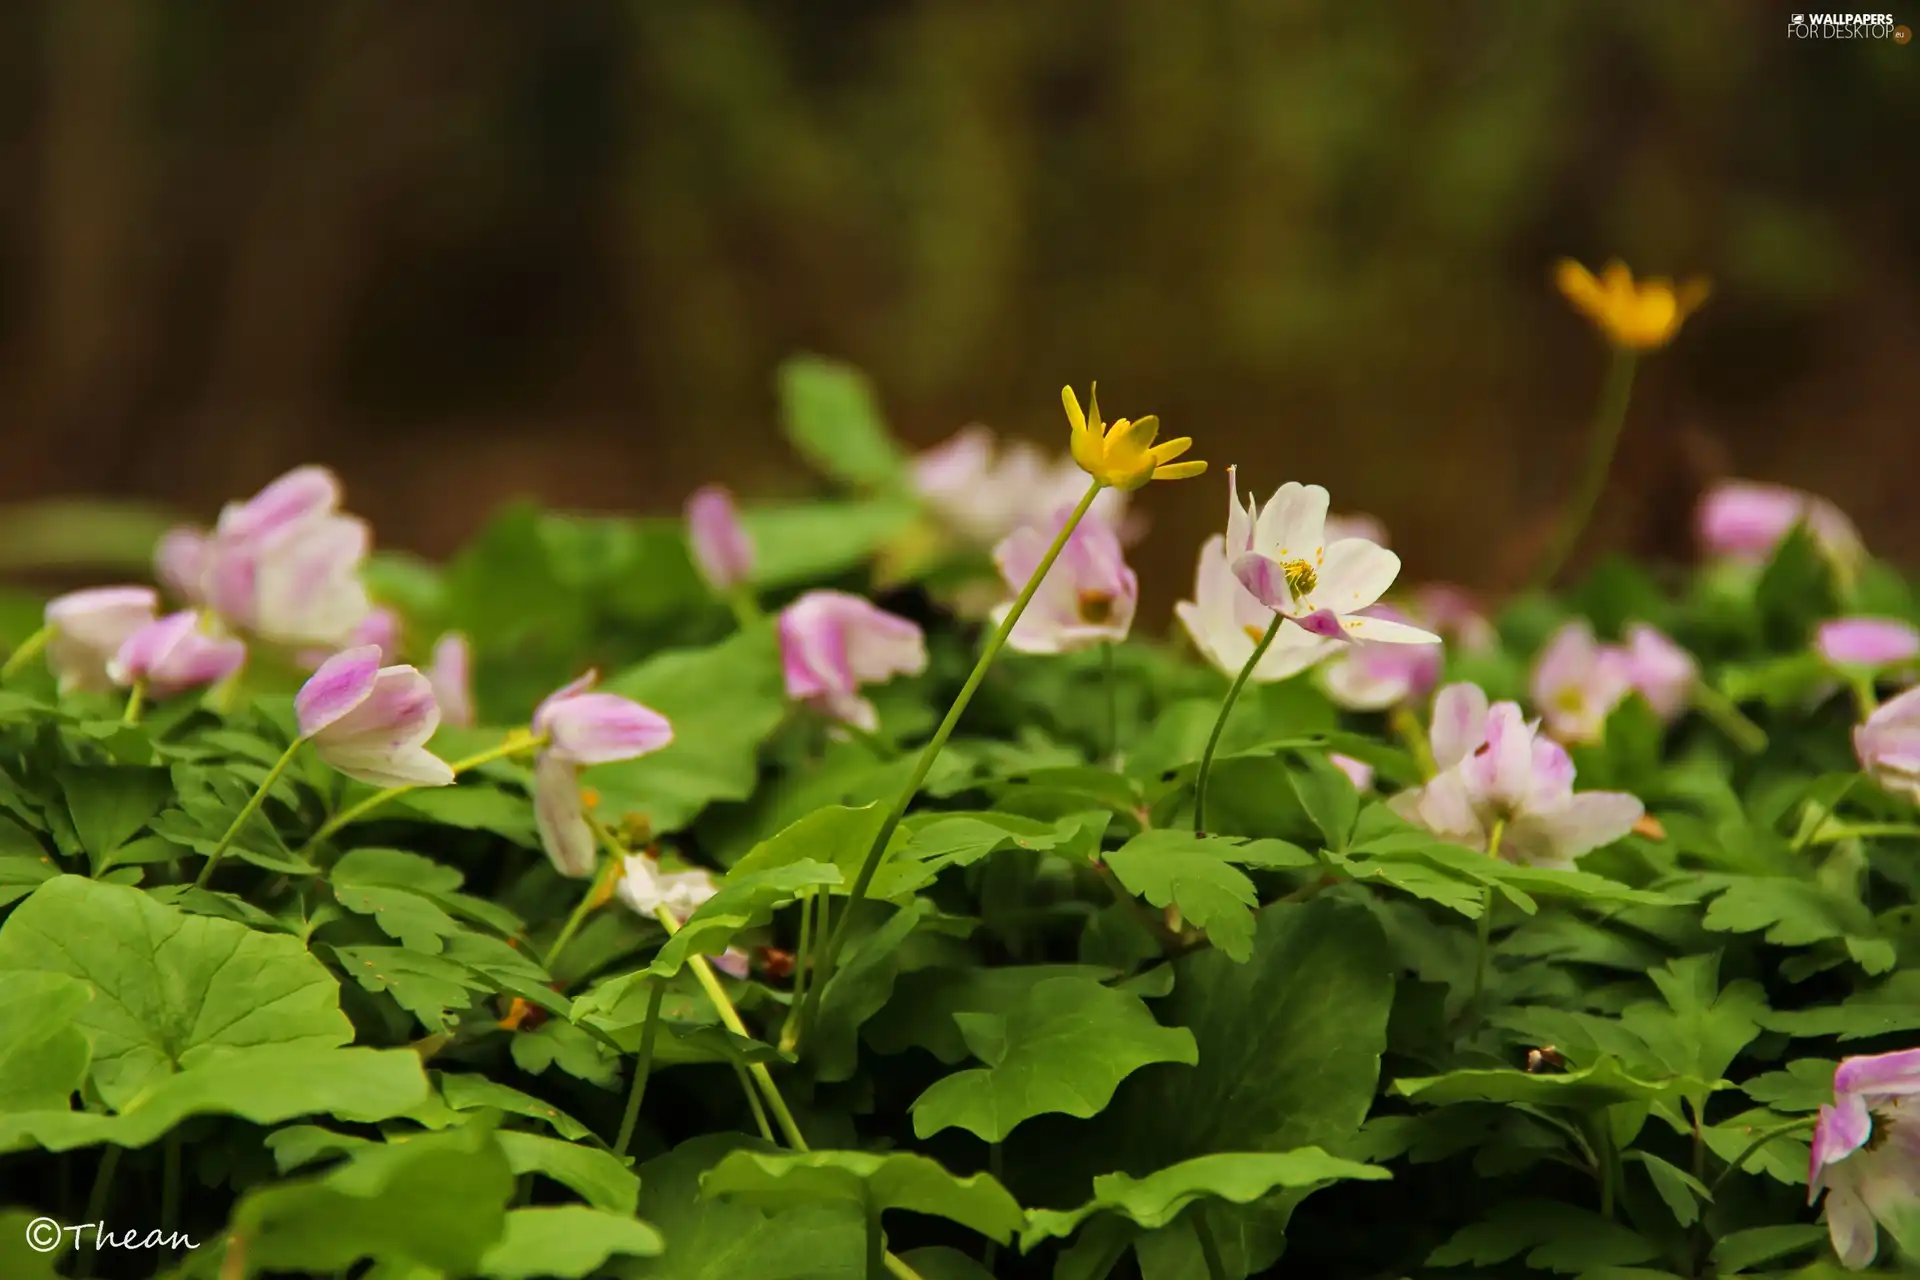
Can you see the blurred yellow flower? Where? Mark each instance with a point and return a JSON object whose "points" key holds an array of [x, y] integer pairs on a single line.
{"points": [[1124, 455], [1640, 316]]}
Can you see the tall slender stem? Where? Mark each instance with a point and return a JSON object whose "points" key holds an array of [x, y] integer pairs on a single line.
{"points": [[1209, 1247], [1608, 420], [516, 743], [1483, 955], [757, 1107], [136, 696], [835, 941], [170, 1182], [1407, 725], [595, 895], [29, 649], [730, 1018], [642, 1067], [1721, 711], [745, 607], [97, 1205], [1220, 723], [251, 807]]}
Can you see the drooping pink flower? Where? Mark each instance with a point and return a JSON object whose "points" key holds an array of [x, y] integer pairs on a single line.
{"points": [[1744, 520], [284, 564], [372, 722], [832, 643], [180, 562], [451, 675], [1495, 771], [1888, 745], [1867, 642], [1866, 1153], [1659, 670], [583, 728], [1453, 612], [1087, 597], [1370, 676], [721, 547], [1358, 772], [1282, 554], [175, 654], [984, 491], [1577, 682], [1226, 621], [87, 628]]}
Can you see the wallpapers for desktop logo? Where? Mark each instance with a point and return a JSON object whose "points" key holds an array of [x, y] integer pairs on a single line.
{"points": [[1847, 26]]}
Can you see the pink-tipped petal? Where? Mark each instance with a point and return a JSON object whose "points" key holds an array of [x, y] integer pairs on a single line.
{"points": [[451, 675], [180, 561], [1265, 579], [300, 494], [733, 962], [1590, 820], [1659, 670], [1843, 1128], [1867, 642], [173, 654], [598, 728], [1879, 1074], [342, 683], [88, 627], [1358, 772], [307, 588], [1324, 623], [1459, 723], [562, 817], [722, 550]]}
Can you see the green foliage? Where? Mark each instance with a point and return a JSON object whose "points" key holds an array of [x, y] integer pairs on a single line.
{"points": [[1063, 1035]]}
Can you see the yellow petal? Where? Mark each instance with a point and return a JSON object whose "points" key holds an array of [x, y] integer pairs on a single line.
{"points": [[1179, 470], [1576, 283], [1168, 450], [1093, 408], [1134, 436], [1071, 403]]}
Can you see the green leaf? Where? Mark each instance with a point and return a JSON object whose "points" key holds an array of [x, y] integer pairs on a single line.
{"points": [[465, 1091], [809, 542], [832, 419], [110, 803], [394, 869], [43, 1056], [1199, 875], [437, 1200], [1237, 1177], [1327, 794], [835, 835], [408, 917], [1601, 1085], [1806, 1085], [723, 702], [1894, 1005], [1793, 912], [874, 1182], [22, 873], [599, 1177], [859, 989], [712, 1239], [1680, 1190], [172, 989], [1700, 1029], [922, 1012], [427, 986], [569, 1240], [1064, 1048], [471, 808], [264, 1085], [958, 840], [1742, 1250], [1783, 1158], [1554, 1236], [20, 1260]]}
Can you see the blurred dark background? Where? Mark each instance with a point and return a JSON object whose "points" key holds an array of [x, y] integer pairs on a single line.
{"points": [[465, 252]]}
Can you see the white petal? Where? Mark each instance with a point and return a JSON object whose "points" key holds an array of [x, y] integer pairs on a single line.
{"points": [[1293, 522], [1386, 631], [1354, 574], [1459, 723]]}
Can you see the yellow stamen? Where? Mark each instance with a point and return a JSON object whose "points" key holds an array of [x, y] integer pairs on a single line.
{"points": [[1301, 579]]}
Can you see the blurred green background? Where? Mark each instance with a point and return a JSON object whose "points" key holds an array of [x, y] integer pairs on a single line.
{"points": [[466, 252]]}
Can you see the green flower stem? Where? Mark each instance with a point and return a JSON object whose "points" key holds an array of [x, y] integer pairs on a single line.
{"points": [[251, 807], [1407, 726], [170, 1181], [802, 959], [1764, 1137], [516, 743], [1724, 715], [1607, 1166], [830, 951], [1863, 695], [898, 1269], [97, 1204], [1220, 723], [135, 697], [730, 1018], [29, 649], [595, 895], [1814, 823], [642, 1067], [1608, 420], [1484, 952], [746, 609], [753, 1103], [1209, 1247]]}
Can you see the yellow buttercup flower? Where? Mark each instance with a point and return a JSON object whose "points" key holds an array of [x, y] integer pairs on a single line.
{"points": [[1124, 455], [1640, 316]]}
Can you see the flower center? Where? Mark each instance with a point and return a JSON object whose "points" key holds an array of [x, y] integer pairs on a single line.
{"points": [[1096, 608], [1878, 1134], [1570, 700], [1301, 579]]}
